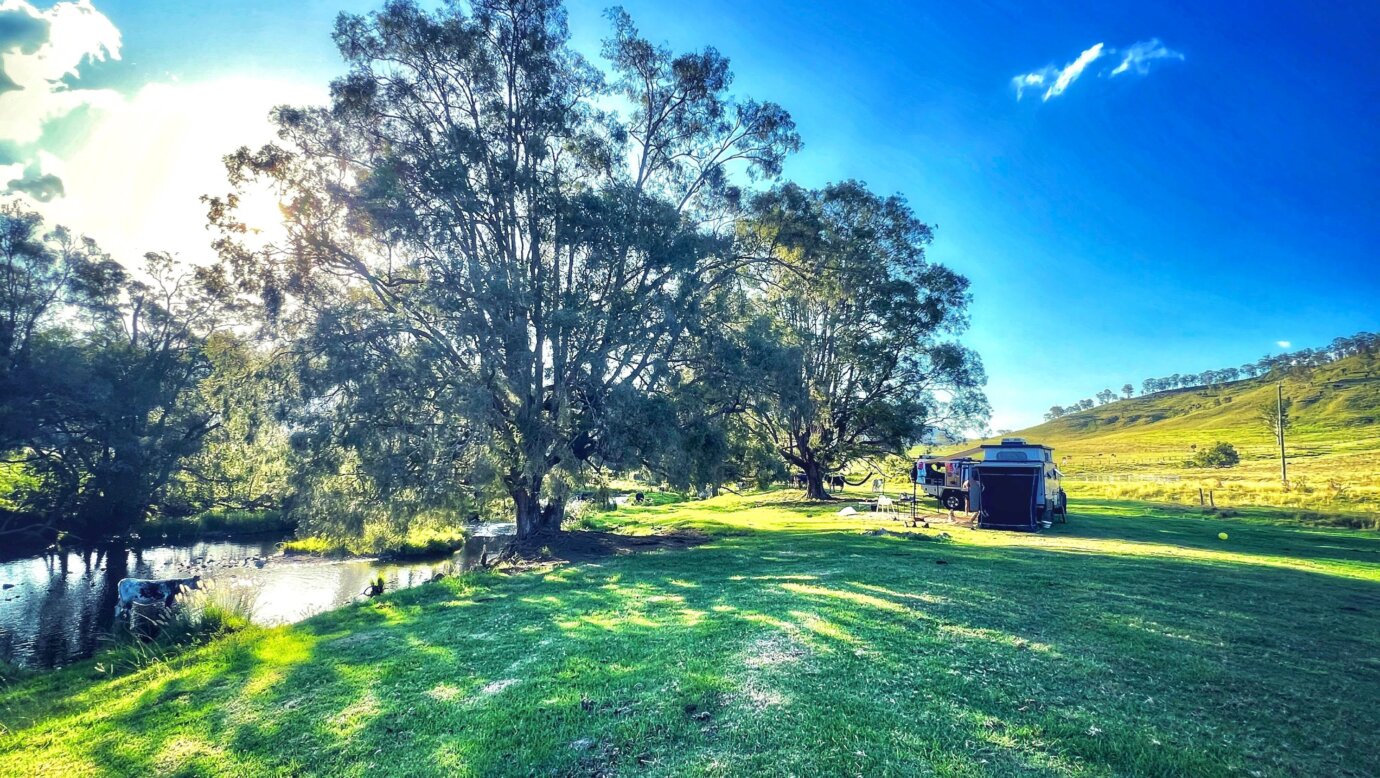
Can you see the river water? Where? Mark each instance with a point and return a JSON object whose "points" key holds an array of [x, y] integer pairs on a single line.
{"points": [[59, 607]]}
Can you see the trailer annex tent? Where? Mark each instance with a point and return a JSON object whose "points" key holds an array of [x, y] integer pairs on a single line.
{"points": [[1004, 497]]}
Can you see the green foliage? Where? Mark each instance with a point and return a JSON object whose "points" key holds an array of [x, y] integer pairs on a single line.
{"points": [[479, 291], [849, 338], [1217, 455], [244, 462], [425, 539], [218, 521], [102, 372]]}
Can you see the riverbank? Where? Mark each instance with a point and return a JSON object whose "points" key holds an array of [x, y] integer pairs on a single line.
{"points": [[218, 524], [1130, 641], [416, 544]]}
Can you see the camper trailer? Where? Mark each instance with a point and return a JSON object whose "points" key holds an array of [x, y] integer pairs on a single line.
{"points": [[1010, 485]]}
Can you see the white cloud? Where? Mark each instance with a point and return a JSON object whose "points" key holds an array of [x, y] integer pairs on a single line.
{"points": [[1073, 70], [1139, 56], [1283, 343], [134, 179], [1055, 80], [1058, 79], [134, 184], [47, 49], [1035, 79]]}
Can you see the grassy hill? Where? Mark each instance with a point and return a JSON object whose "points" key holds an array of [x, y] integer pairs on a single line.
{"points": [[1333, 447]]}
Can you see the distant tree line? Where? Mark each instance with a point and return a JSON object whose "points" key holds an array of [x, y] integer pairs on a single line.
{"points": [[1293, 363]]}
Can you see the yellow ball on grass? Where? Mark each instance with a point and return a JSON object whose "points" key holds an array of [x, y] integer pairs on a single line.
{"points": [[1221, 536]]}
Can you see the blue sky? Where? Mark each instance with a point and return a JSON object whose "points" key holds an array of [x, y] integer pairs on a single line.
{"points": [[1139, 224]]}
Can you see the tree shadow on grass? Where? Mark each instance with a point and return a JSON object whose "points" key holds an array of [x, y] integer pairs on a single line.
{"points": [[772, 652]]}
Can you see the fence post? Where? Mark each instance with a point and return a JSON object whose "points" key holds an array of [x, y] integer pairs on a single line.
{"points": [[1200, 496], [1211, 501]]}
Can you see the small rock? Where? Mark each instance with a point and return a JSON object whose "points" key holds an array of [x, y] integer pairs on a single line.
{"points": [[7, 586], [583, 744]]}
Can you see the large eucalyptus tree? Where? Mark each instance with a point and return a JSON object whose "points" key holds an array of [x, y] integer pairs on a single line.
{"points": [[853, 339], [488, 233]]}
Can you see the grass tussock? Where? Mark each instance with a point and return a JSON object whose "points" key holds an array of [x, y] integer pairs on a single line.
{"points": [[154, 636]]}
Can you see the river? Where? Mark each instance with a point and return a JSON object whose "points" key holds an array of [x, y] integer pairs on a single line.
{"points": [[59, 607]]}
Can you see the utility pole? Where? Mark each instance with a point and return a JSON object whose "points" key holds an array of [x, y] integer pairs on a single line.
{"points": [[1279, 427]]}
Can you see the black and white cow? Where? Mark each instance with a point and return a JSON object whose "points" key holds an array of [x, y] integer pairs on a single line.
{"points": [[165, 590]]}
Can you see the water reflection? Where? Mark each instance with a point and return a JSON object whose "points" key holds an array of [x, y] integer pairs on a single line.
{"points": [[59, 606]]}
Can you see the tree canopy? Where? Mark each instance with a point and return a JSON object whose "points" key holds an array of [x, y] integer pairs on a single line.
{"points": [[850, 338], [503, 273], [102, 377], [467, 215]]}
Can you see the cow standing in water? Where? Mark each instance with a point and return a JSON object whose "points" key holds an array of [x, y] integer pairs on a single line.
{"points": [[132, 590]]}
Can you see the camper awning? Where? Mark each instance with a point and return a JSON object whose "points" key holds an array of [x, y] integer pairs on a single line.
{"points": [[949, 457]]}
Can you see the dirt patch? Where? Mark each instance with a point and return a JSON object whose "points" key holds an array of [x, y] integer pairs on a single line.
{"points": [[587, 545], [775, 650]]}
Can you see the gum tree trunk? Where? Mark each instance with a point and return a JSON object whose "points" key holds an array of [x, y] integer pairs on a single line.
{"points": [[533, 518], [814, 481]]}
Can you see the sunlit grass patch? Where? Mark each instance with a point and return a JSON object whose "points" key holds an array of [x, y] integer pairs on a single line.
{"points": [[1130, 641], [420, 541]]}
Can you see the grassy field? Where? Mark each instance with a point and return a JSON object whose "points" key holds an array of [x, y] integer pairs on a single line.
{"points": [[1129, 641], [1333, 446]]}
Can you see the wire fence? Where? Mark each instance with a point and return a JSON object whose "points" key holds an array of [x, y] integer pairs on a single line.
{"points": [[1123, 478]]}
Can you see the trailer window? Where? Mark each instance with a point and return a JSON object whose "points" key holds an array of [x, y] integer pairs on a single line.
{"points": [[1011, 456]]}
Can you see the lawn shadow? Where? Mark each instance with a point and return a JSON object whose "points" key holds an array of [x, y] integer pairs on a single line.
{"points": [[794, 649]]}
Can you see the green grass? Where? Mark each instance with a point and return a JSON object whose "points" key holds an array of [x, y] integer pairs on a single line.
{"points": [[1130, 641], [424, 541], [217, 522], [1333, 447]]}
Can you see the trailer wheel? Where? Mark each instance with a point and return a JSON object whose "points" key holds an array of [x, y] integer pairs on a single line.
{"points": [[952, 500]]}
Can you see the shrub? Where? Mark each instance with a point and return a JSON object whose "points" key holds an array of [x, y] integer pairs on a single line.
{"points": [[1217, 455], [580, 514]]}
